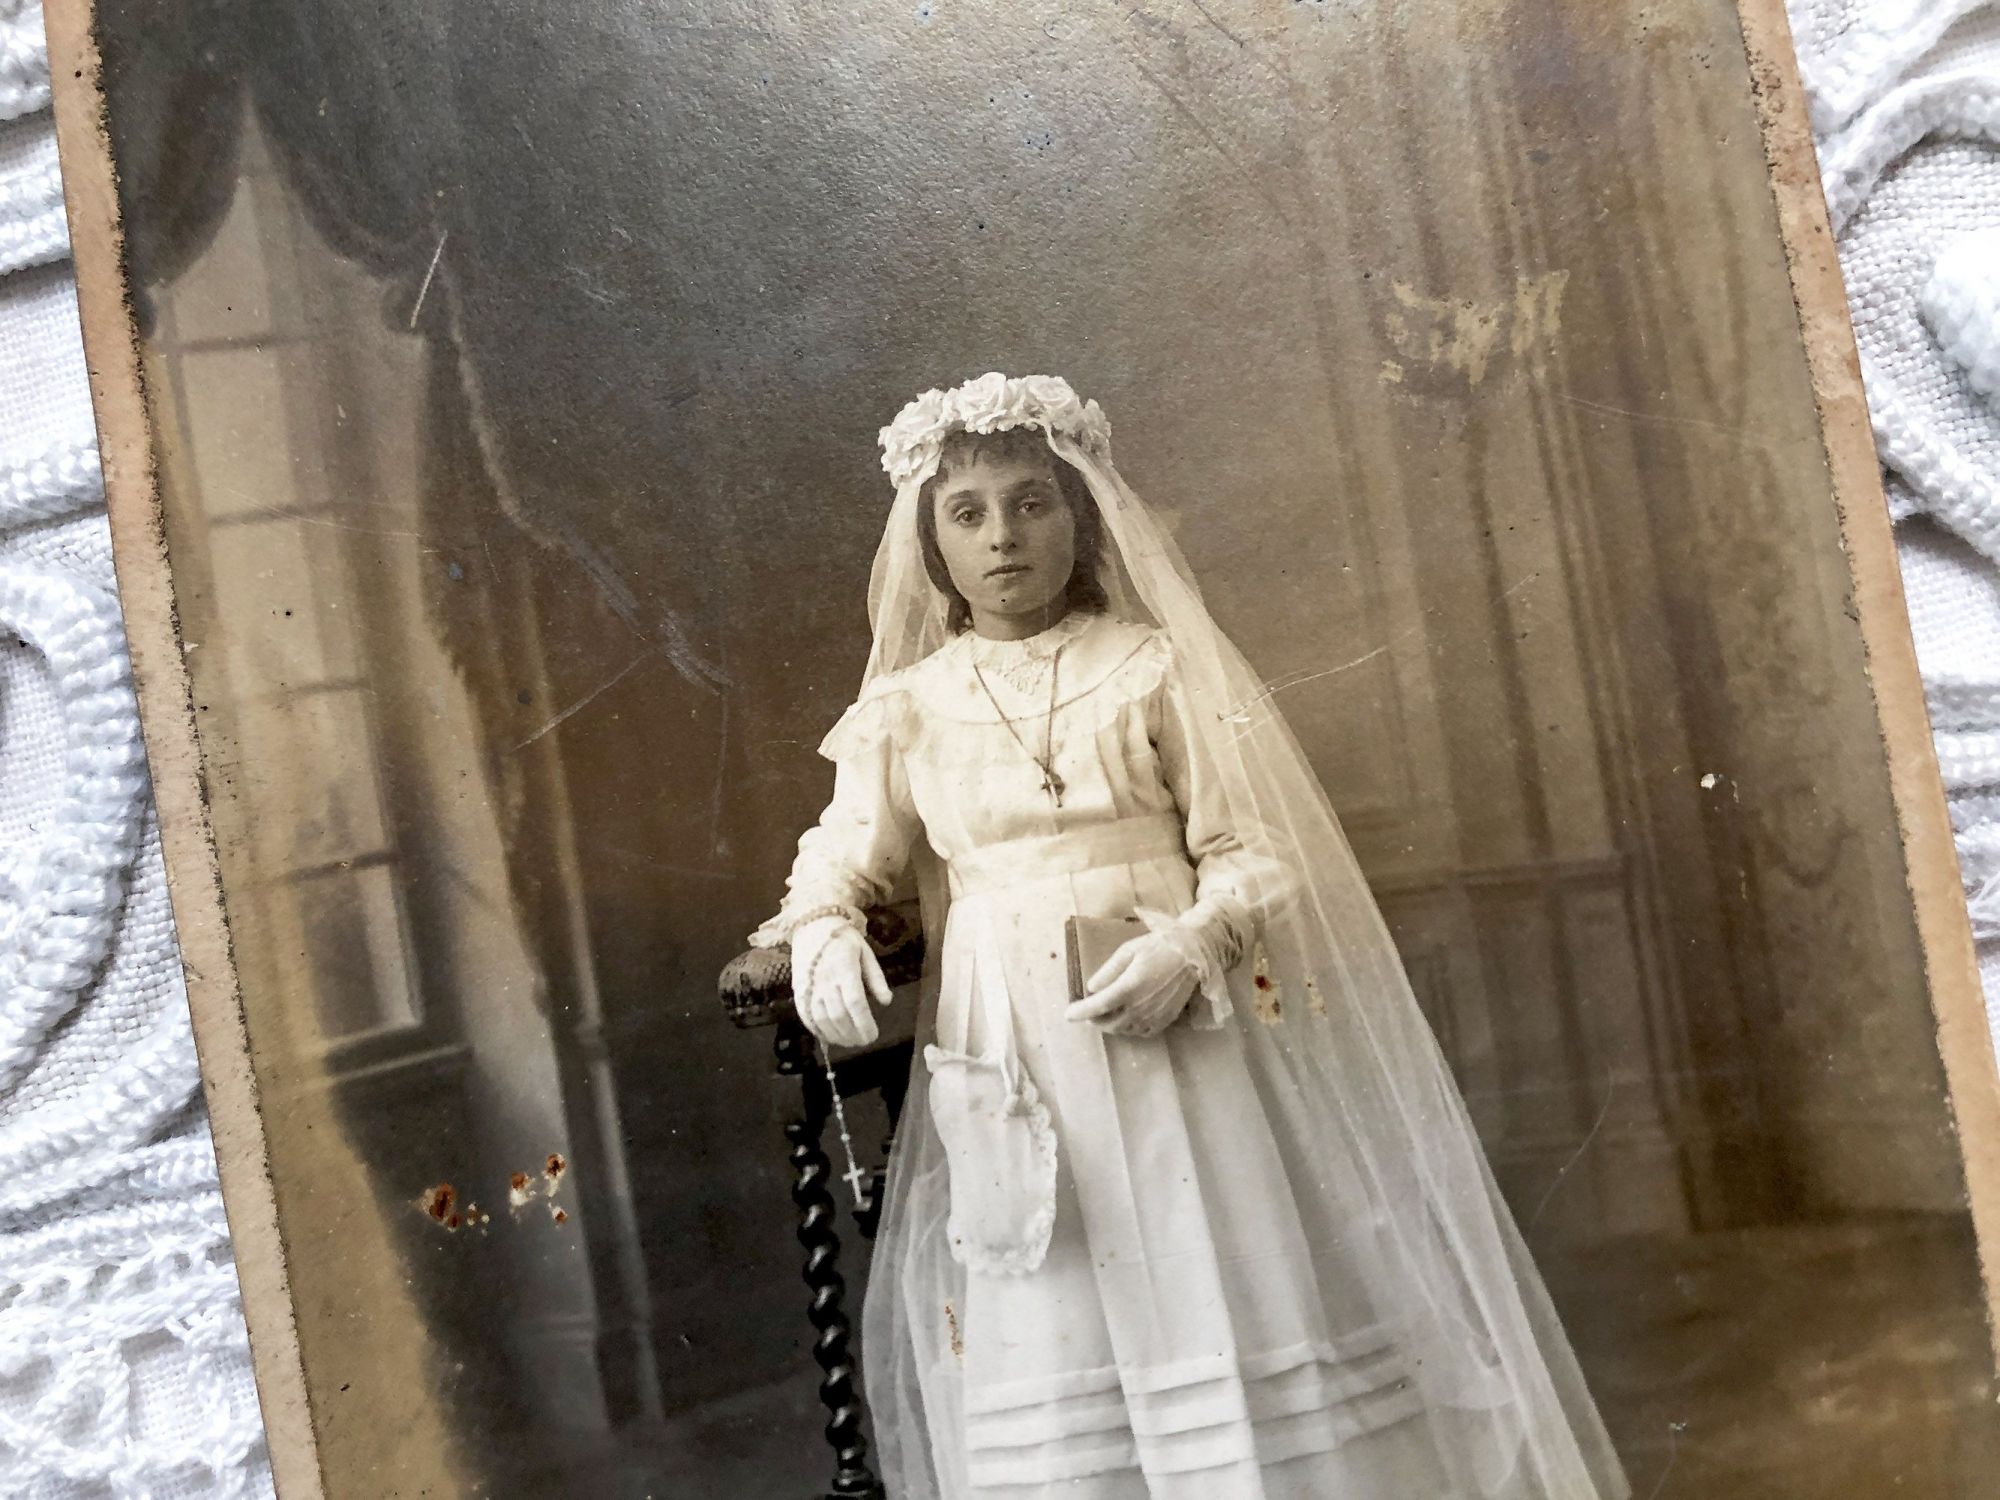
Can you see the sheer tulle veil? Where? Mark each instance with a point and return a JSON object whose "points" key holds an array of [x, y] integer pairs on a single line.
{"points": [[1348, 1067]]}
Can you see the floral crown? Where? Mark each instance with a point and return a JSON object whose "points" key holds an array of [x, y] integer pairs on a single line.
{"points": [[912, 444]]}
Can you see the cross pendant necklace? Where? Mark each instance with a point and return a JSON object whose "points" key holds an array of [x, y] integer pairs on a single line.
{"points": [[1046, 761]]}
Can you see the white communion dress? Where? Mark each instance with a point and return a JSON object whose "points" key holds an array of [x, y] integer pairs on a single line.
{"points": [[1198, 1327]]}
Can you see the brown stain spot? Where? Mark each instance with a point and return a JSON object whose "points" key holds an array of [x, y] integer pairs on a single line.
{"points": [[518, 1182], [951, 1328], [441, 1204], [1270, 997], [554, 1168], [560, 1215]]}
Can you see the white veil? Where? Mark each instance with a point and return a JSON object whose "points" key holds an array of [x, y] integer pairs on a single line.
{"points": [[1350, 1059]]}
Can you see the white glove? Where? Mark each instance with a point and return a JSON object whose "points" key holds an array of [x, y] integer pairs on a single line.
{"points": [[1142, 988], [834, 976]]}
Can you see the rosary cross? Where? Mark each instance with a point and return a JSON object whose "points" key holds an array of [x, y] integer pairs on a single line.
{"points": [[852, 1177]]}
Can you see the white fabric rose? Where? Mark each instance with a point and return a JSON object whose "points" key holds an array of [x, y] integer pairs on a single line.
{"points": [[1052, 401], [986, 404], [911, 443], [1093, 431]]}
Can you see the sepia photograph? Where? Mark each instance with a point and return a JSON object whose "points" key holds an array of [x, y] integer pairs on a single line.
{"points": [[1043, 752]]}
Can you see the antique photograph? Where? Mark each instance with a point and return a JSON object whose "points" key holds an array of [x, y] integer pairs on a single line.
{"points": [[1108, 752]]}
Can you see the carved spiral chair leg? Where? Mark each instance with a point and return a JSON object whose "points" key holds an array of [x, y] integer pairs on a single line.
{"points": [[853, 1478]]}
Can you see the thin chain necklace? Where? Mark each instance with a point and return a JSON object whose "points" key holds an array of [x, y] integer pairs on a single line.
{"points": [[1046, 761]]}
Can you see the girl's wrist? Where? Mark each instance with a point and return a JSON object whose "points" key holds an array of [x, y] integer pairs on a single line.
{"points": [[850, 916], [1213, 935], [784, 925], [1221, 927]]}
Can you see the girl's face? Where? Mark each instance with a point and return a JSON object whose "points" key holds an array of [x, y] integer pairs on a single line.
{"points": [[1008, 541]]}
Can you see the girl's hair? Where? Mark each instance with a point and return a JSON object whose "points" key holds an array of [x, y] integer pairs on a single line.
{"points": [[1022, 445]]}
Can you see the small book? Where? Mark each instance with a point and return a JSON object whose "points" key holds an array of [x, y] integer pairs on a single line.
{"points": [[1091, 941]]}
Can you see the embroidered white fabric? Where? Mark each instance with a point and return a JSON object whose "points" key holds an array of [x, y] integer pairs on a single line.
{"points": [[123, 1368]]}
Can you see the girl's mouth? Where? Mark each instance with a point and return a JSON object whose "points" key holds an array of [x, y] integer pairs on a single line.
{"points": [[1006, 568]]}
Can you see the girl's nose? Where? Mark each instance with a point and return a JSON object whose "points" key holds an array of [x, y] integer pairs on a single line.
{"points": [[1000, 533]]}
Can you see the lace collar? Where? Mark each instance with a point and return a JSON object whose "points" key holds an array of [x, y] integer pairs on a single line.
{"points": [[1026, 665]]}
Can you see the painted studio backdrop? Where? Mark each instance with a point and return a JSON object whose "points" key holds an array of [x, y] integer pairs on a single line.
{"points": [[516, 370]]}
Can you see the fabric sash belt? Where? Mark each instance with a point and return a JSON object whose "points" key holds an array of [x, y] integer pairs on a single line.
{"points": [[1093, 846]]}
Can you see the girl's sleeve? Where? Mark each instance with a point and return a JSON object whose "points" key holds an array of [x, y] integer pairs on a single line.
{"points": [[851, 859], [1243, 872]]}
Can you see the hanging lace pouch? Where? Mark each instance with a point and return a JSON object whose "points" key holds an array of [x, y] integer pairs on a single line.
{"points": [[1000, 1148]]}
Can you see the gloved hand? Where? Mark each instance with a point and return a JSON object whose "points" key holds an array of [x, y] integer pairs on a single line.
{"points": [[1142, 988], [834, 976]]}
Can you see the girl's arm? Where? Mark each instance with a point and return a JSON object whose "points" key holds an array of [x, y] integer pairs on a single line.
{"points": [[1243, 873], [852, 858], [846, 862]]}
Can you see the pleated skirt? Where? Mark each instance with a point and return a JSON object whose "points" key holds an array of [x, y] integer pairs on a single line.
{"points": [[1200, 1326]]}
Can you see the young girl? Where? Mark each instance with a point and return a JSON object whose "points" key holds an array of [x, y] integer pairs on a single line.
{"points": [[1217, 1228]]}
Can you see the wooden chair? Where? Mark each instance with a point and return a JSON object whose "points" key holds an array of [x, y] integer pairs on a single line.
{"points": [[756, 991]]}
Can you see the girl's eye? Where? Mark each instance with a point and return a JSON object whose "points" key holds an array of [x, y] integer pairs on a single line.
{"points": [[1033, 507], [965, 516]]}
